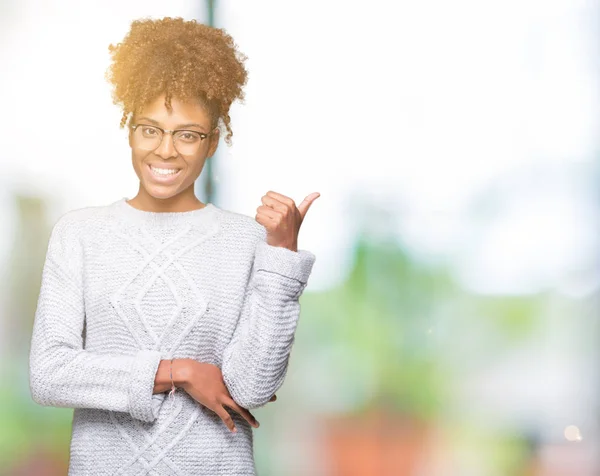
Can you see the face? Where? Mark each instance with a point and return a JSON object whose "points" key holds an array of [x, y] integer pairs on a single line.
{"points": [[184, 115]]}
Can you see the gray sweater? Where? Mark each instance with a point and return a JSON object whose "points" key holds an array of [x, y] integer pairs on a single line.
{"points": [[124, 288]]}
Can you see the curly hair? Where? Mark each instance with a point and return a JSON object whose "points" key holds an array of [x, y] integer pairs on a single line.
{"points": [[182, 59]]}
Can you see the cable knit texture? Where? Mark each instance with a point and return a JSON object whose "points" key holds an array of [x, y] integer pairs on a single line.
{"points": [[123, 289]]}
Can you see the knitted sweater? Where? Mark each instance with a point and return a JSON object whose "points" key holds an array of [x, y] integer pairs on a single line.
{"points": [[122, 289]]}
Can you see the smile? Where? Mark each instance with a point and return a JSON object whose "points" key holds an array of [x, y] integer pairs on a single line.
{"points": [[163, 175]]}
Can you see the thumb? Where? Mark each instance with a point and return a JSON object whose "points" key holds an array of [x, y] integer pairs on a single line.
{"points": [[307, 202]]}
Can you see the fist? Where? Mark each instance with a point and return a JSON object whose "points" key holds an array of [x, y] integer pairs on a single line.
{"points": [[282, 219]]}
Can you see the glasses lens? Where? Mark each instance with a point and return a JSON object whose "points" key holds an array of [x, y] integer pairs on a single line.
{"points": [[187, 142], [147, 137]]}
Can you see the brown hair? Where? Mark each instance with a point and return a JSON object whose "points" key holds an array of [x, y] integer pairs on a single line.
{"points": [[183, 59]]}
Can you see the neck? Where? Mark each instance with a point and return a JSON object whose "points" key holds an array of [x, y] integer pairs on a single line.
{"points": [[182, 202]]}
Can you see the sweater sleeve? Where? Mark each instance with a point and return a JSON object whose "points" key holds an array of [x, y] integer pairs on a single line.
{"points": [[61, 372], [255, 361]]}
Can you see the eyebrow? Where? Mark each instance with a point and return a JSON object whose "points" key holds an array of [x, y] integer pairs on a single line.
{"points": [[178, 126]]}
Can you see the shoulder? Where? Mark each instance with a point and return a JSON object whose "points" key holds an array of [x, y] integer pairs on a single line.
{"points": [[65, 244], [76, 222], [242, 226]]}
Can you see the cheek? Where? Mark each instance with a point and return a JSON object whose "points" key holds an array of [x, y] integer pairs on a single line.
{"points": [[190, 166], [138, 162]]}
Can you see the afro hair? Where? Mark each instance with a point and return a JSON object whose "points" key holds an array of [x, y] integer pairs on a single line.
{"points": [[178, 58]]}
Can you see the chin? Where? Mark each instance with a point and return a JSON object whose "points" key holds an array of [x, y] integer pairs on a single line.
{"points": [[161, 193]]}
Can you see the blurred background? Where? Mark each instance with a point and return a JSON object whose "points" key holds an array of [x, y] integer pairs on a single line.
{"points": [[450, 325]]}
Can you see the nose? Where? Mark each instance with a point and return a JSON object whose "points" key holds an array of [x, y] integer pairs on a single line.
{"points": [[166, 148]]}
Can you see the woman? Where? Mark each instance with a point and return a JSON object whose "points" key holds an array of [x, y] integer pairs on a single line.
{"points": [[163, 293]]}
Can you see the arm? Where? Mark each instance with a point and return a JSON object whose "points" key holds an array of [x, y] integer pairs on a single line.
{"points": [[61, 372], [255, 361]]}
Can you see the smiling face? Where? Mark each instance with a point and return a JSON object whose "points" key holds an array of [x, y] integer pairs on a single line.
{"points": [[174, 192]]}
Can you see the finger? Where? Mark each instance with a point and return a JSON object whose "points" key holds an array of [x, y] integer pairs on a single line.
{"points": [[307, 202], [266, 221], [242, 411], [275, 204], [226, 417], [267, 211], [282, 198]]}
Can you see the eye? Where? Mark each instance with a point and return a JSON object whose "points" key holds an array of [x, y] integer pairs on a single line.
{"points": [[149, 131], [188, 136]]}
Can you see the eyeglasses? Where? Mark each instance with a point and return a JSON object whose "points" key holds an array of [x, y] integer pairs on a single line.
{"points": [[150, 137]]}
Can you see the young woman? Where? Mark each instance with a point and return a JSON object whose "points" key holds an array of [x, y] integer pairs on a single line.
{"points": [[163, 320]]}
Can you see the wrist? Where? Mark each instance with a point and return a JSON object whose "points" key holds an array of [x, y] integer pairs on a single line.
{"points": [[181, 372]]}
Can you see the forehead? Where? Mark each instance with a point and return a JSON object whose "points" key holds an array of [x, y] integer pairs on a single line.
{"points": [[182, 112]]}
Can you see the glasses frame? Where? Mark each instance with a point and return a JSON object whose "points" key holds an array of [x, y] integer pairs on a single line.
{"points": [[203, 135]]}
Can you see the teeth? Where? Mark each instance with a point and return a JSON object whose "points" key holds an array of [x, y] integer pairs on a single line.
{"points": [[164, 171]]}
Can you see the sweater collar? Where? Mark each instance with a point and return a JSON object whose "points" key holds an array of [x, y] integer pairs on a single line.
{"points": [[200, 216]]}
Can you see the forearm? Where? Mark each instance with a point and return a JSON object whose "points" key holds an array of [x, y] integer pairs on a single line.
{"points": [[255, 366], [61, 376]]}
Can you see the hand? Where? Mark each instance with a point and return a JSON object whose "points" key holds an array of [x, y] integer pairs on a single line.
{"points": [[204, 383], [282, 219]]}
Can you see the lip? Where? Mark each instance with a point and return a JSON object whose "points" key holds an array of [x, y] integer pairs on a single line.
{"points": [[163, 179]]}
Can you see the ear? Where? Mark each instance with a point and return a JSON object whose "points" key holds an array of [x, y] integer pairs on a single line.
{"points": [[214, 142]]}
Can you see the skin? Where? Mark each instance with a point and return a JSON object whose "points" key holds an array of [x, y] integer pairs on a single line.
{"points": [[179, 196], [278, 214]]}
